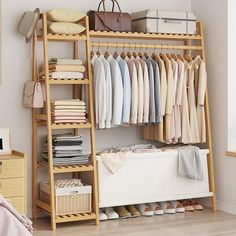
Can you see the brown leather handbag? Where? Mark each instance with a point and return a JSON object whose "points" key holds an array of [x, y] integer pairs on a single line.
{"points": [[109, 21]]}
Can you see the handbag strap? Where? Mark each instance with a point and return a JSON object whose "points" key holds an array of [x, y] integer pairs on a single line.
{"points": [[35, 73], [113, 5]]}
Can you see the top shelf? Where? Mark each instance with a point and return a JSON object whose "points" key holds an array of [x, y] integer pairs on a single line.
{"points": [[136, 35], [63, 37]]}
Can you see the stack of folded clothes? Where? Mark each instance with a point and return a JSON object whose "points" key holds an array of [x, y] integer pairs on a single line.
{"points": [[67, 150], [68, 111], [64, 69]]}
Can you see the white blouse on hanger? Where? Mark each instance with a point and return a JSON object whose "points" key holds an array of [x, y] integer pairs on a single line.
{"points": [[100, 91], [108, 92], [146, 94], [117, 91], [134, 91], [140, 90]]}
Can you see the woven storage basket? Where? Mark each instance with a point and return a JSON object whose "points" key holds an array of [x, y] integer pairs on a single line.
{"points": [[71, 200]]}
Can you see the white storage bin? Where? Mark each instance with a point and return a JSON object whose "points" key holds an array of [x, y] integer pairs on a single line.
{"points": [[156, 21], [149, 177], [70, 200]]}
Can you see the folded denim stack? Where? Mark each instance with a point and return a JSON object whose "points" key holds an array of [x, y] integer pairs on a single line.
{"points": [[68, 111], [64, 69], [67, 150]]}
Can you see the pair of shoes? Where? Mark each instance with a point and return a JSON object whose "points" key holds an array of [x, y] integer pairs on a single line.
{"points": [[107, 214], [134, 212], [122, 212], [157, 209], [191, 205], [172, 207], [145, 210]]}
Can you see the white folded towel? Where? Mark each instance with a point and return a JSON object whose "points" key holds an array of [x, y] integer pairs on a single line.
{"points": [[114, 161]]}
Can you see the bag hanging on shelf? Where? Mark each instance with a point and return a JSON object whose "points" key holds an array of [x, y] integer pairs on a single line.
{"points": [[33, 91], [109, 21]]}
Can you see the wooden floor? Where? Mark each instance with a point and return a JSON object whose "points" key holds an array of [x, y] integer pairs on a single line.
{"points": [[203, 223]]}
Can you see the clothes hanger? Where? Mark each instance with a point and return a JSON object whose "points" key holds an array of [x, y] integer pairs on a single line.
{"points": [[134, 53], [146, 53], [116, 54], [98, 53], [180, 57], [92, 52], [187, 57], [140, 54], [128, 54], [106, 54], [123, 54], [154, 54]]}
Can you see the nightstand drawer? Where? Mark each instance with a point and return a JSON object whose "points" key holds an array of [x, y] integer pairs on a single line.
{"points": [[12, 187], [12, 168], [18, 203]]}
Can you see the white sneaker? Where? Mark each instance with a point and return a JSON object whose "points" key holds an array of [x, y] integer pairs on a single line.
{"points": [[102, 215], [179, 208], [156, 208], [167, 207], [111, 214], [145, 210]]}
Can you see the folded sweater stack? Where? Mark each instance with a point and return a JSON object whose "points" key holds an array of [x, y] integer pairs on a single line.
{"points": [[68, 111], [64, 69], [67, 150]]}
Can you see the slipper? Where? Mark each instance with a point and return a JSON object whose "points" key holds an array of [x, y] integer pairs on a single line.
{"points": [[196, 205], [156, 208], [179, 208], [102, 215], [187, 205], [111, 214], [145, 210], [167, 207], [134, 212], [122, 212]]}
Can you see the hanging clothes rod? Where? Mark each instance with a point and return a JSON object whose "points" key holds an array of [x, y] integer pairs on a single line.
{"points": [[144, 46]]}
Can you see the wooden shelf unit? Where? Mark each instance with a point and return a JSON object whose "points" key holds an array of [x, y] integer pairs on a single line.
{"points": [[40, 119], [187, 43]]}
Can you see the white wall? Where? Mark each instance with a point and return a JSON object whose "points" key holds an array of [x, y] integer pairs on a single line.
{"points": [[15, 70], [231, 75], [214, 14]]}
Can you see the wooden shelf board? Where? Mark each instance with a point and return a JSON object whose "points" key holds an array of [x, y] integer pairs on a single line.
{"points": [[68, 81], [75, 217], [69, 168], [230, 153], [71, 126], [63, 37], [43, 205], [136, 35]]}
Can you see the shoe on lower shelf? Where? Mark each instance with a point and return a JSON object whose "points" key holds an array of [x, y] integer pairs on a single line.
{"points": [[187, 205], [179, 207], [134, 212], [145, 210], [167, 207], [196, 205], [111, 214], [122, 212], [102, 215], [157, 209]]}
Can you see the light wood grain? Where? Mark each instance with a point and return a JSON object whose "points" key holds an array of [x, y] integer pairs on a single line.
{"points": [[204, 223]]}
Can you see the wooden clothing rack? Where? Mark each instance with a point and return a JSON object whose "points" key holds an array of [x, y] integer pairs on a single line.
{"points": [[187, 43], [40, 119]]}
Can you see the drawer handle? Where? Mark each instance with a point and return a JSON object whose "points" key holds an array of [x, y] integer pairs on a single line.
{"points": [[1, 164]]}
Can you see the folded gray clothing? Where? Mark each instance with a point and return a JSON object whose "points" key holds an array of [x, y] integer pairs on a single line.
{"points": [[67, 143], [190, 165], [68, 148]]}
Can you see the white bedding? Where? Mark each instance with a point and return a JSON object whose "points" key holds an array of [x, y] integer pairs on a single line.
{"points": [[10, 225]]}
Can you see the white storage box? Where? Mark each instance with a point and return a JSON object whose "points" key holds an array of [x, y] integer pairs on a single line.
{"points": [[70, 200], [149, 177], [156, 21]]}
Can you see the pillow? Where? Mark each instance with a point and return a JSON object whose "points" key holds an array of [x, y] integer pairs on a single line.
{"points": [[65, 15], [65, 28]]}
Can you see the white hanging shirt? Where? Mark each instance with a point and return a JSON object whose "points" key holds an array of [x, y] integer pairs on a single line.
{"points": [[117, 91], [100, 91], [108, 92]]}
